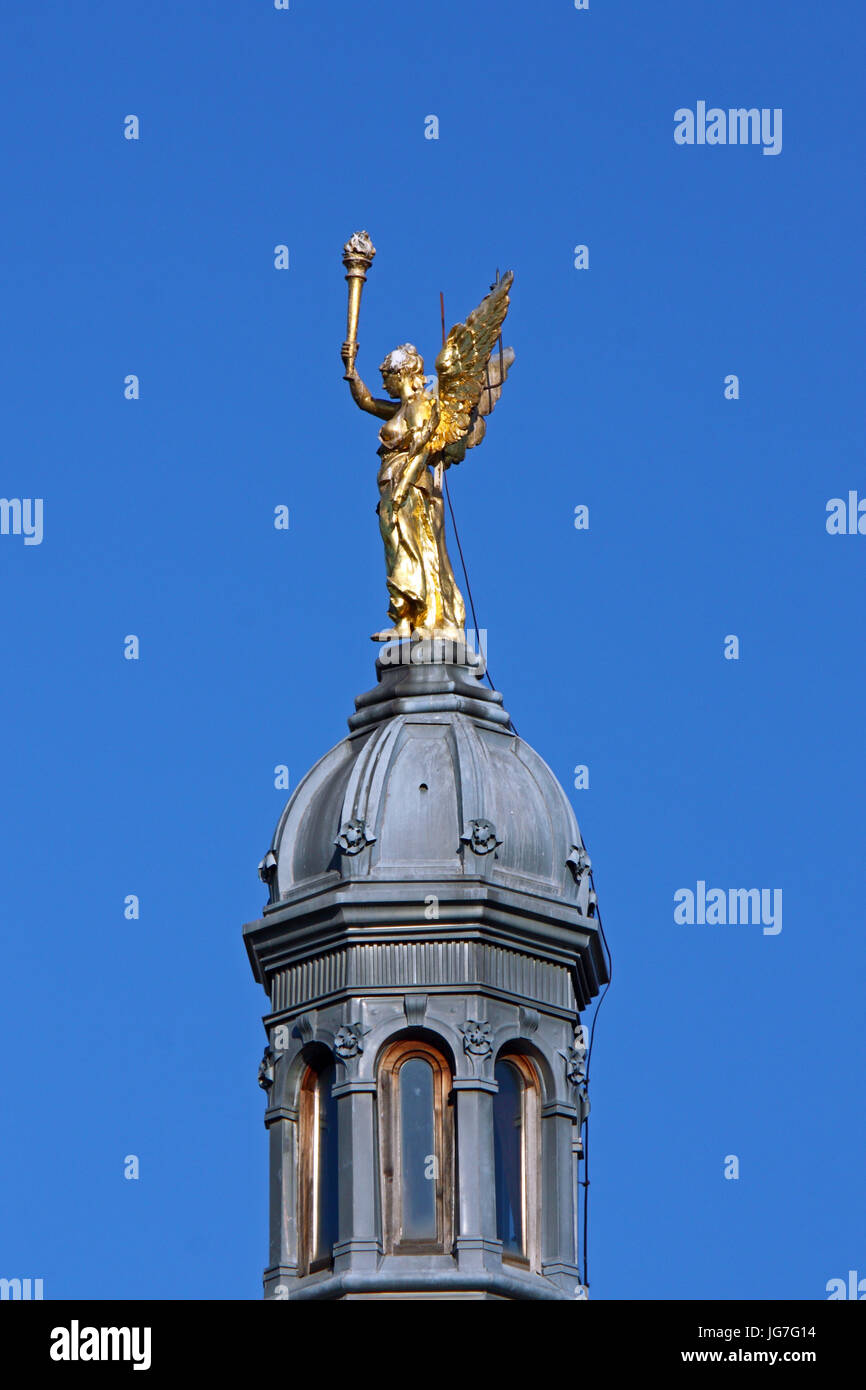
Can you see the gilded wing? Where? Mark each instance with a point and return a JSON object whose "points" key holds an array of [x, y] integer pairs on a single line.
{"points": [[470, 381]]}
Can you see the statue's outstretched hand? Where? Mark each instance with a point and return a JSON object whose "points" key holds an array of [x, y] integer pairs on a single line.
{"points": [[348, 353]]}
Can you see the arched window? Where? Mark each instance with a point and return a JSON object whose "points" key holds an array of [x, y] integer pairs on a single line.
{"points": [[416, 1141], [517, 1158], [317, 1188]]}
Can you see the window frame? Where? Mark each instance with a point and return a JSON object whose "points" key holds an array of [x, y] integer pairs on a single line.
{"points": [[391, 1148], [310, 1166], [530, 1161]]}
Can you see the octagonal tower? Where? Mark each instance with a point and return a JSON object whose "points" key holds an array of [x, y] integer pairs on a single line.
{"points": [[428, 945]]}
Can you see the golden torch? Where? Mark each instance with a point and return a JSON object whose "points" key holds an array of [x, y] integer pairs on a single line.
{"points": [[358, 256]]}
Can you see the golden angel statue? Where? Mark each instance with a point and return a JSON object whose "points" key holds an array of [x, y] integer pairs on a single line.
{"points": [[425, 431]]}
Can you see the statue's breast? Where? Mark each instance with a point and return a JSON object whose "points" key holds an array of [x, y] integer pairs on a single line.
{"points": [[395, 433], [401, 432]]}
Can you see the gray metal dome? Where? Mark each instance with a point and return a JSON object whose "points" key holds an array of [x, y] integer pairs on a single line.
{"points": [[431, 784]]}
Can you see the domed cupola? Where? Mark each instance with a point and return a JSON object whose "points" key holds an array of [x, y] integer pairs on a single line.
{"points": [[431, 783], [429, 941]]}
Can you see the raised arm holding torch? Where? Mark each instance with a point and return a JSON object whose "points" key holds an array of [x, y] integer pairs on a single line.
{"points": [[358, 256]]}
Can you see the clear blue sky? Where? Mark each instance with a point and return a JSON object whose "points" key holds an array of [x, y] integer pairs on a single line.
{"points": [[707, 518]]}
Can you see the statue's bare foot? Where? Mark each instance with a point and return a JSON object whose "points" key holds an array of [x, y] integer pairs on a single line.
{"points": [[392, 634]]}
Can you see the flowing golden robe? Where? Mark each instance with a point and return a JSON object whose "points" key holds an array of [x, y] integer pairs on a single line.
{"points": [[420, 579]]}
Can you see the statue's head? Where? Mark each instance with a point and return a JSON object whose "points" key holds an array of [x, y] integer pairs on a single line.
{"points": [[405, 362]]}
